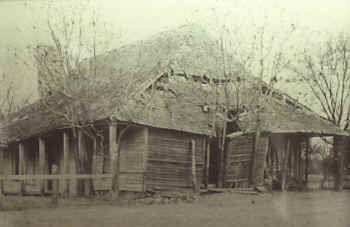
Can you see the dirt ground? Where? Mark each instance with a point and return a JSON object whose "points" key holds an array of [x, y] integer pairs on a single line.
{"points": [[320, 208]]}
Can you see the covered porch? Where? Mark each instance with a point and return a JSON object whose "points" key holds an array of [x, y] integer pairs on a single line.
{"points": [[280, 160], [47, 164]]}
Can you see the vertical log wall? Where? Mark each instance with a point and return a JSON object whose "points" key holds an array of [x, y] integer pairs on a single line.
{"points": [[169, 161], [238, 161]]}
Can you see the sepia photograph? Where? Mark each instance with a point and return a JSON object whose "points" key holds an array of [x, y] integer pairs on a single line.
{"points": [[174, 113]]}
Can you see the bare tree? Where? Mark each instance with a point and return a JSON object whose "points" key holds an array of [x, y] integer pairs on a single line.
{"points": [[73, 86], [264, 56], [9, 100], [326, 73]]}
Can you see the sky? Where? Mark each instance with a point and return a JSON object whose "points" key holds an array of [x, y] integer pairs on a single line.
{"points": [[22, 23]]}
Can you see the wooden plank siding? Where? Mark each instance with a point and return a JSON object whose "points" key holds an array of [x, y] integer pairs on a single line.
{"points": [[263, 147], [238, 161], [239, 158], [10, 161], [340, 147], [169, 159], [132, 150]]}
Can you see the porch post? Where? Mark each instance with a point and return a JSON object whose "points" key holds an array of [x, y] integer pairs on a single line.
{"points": [[113, 156], [66, 162], [1, 169], [253, 163], [84, 184], [307, 158], [338, 147], [207, 162], [301, 163], [193, 166], [285, 165], [21, 165], [42, 158]]}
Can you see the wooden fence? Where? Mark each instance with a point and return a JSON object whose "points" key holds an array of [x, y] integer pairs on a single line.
{"points": [[16, 182], [56, 177]]}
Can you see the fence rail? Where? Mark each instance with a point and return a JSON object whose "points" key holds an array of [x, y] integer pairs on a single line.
{"points": [[55, 177]]}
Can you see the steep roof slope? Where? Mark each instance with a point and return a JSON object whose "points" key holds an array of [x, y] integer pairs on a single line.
{"points": [[170, 78]]}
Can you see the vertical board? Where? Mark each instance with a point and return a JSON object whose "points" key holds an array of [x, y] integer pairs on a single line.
{"points": [[1, 168], [132, 150], [169, 159], [261, 159], [72, 169], [32, 166], [11, 167], [238, 160]]}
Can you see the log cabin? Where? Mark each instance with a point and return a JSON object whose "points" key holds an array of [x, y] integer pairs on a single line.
{"points": [[164, 137]]}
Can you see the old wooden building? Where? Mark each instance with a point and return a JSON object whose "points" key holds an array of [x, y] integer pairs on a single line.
{"points": [[165, 136]]}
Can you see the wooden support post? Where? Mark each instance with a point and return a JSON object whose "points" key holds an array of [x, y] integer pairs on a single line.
{"points": [[95, 168], [295, 158], [253, 164], [145, 157], [338, 147], [84, 183], [55, 186], [113, 158], [21, 165], [1, 169], [300, 165], [307, 158], [42, 154], [193, 168], [66, 161], [207, 162], [285, 166]]}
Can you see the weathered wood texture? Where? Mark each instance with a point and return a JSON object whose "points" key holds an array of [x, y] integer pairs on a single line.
{"points": [[340, 147], [72, 168], [10, 161], [284, 169], [101, 162], [31, 159], [2, 150], [65, 169], [169, 159], [260, 165], [132, 150], [42, 160], [238, 161]]}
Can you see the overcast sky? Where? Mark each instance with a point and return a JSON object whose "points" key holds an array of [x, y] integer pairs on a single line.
{"points": [[138, 19]]}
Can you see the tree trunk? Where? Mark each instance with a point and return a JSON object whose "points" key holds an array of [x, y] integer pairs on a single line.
{"points": [[253, 163]]}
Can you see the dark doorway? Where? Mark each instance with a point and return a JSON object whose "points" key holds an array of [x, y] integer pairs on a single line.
{"points": [[53, 156], [214, 163]]}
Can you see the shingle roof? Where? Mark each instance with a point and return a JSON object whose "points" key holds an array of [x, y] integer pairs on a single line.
{"points": [[168, 76], [280, 117]]}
